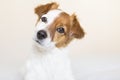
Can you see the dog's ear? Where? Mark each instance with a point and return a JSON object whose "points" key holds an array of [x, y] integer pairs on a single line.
{"points": [[43, 9], [76, 30]]}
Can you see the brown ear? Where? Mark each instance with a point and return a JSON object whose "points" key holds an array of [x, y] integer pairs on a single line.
{"points": [[76, 29], [43, 9]]}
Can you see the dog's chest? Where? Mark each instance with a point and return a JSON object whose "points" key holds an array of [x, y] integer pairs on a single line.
{"points": [[52, 66]]}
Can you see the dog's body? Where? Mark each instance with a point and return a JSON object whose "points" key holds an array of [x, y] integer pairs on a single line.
{"points": [[54, 30], [52, 65]]}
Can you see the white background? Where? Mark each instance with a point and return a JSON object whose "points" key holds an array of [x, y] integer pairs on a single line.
{"points": [[95, 57]]}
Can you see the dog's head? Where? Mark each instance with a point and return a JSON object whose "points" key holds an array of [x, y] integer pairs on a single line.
{"points": [[55, 28]]}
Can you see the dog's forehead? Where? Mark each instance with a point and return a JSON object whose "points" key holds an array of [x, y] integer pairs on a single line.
{"points": [[52, 15]]}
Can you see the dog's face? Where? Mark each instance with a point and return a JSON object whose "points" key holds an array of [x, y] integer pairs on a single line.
{"points": [[55, 28]]}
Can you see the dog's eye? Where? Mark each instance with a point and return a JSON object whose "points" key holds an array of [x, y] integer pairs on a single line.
{"points": [[60, 30], [44, 19]]}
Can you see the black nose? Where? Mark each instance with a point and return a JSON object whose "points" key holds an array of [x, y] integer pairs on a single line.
{"points": [[41, 34]]}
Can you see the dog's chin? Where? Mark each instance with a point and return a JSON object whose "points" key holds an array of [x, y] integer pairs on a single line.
{"points": [[41, 46]]}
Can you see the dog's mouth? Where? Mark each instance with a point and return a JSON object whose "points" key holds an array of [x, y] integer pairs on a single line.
{"points": [[39, 42]]}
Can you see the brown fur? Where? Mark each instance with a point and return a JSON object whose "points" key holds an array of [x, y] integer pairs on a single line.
{"points": [[71, 26], [62, 21], [76, 29], [43, 9]]}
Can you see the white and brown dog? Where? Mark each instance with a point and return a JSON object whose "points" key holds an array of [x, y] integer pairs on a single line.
{"points": [[54, 30]]}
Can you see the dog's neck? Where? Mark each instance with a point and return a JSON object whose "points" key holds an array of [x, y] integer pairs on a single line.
{"points": [[40, 51]]}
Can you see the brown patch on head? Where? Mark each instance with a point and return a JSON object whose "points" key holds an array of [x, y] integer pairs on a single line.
{"points": [[43, 9], [63, 21], [71, 26]]}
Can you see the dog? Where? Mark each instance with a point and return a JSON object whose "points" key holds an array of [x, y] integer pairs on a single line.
{"points": [[54, 30]]}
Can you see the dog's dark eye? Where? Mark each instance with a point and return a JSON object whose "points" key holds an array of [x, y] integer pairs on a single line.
{"points": [[60, 30], [44, 19]]}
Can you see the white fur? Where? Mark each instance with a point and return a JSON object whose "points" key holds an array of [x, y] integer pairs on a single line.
{"points": [[51, 65], [47, 62]]}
